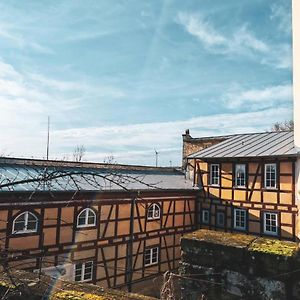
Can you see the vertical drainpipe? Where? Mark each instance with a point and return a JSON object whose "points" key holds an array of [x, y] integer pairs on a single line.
{"points": [[129, 263]]}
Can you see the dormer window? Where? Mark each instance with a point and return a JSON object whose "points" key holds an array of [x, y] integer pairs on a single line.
{"points": [[240, 175], [215, 174], [270, 176]]}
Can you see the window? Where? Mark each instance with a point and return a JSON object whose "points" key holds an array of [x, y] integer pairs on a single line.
{"points": [[84, 271], [240, 175], [270, 176], [205, 216], [240, 219], [220, 219], [86, 218], [270, 223], [25, 223], [153, 212], [214, 174], [151, 256]]}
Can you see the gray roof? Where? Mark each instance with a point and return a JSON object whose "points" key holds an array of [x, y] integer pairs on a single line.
{"points": [[252, 145], [54, 177]]}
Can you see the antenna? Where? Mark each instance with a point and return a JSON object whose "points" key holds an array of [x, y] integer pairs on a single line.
{"points": [[48, 137], [156, 158]]}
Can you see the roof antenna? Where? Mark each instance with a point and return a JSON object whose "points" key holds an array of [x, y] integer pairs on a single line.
{"points": [[156, 158], [48, 137]]}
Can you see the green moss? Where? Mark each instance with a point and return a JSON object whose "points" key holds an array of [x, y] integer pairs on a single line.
{"points": [[221, 238], [275, 247], [74, 295]]}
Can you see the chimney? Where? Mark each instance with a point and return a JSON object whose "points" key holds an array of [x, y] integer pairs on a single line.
{"points": [[296, 70]]}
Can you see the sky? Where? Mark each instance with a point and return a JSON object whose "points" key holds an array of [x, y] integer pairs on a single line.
{"points": [[124, 78]]}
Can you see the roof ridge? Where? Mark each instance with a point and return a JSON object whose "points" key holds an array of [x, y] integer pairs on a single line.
{"points": [[81, 164]]}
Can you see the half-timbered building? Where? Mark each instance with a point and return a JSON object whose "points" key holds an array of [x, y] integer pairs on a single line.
{"points": [[110, 225], [249, 184]]}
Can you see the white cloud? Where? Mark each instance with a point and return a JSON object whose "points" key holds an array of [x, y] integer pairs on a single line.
{"points": [[202, 29], [26, 101], [239, 42], [136, 143], [237, 97]]}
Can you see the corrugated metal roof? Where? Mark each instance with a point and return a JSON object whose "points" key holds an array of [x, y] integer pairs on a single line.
{"points": [[252, 145], [20, 177]]}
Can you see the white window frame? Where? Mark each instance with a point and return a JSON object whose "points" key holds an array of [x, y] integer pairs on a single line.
{"points": [[265, 175], [236, 175], [212, 175], [153, 212], [205, 216], [83, 271], [25, 230], [236, 210], [153, 258], [218, 214], [86, 211], [270, 232]]}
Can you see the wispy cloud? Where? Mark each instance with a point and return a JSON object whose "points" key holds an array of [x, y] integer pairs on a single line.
{"points": [[22, 42], [281, 13], [136, 143], [239, 42], [237, 97]]}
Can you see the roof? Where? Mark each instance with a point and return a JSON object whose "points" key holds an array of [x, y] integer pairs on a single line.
{"points": [[252, 145], [38, 175]]}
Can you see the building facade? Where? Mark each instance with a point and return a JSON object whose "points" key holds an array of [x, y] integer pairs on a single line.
{"points": [[249, 184], [85, 222]]}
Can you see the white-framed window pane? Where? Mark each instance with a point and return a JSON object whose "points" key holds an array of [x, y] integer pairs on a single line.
{"points": [[31, 225], [86, 217], [25, 222], [78, 271], [270, 176], [151, 256], [240, 175], [214, 174], [83, 271], [240, 219], [153, 212], [270, 223], [19, 225]]}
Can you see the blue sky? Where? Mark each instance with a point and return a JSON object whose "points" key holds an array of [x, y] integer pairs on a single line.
{"points": [[124, 78]]}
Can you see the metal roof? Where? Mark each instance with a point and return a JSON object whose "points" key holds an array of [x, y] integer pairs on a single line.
{"points": [[252, 145], [22, 177]]}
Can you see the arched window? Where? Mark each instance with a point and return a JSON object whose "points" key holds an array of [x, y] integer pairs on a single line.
{"points": [[153, 212], [25, 222], [86, 218]]}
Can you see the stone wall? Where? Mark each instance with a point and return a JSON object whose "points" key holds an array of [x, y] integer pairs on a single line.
{"points": [[222, 265], [192, 145]]}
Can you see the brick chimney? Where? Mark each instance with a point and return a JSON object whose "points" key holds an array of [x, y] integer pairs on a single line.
{"points": [[296, 70]]}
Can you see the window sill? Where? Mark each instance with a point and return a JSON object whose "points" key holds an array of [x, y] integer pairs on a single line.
{"points": [[237, 187], [86, 227], [24, 234]]}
